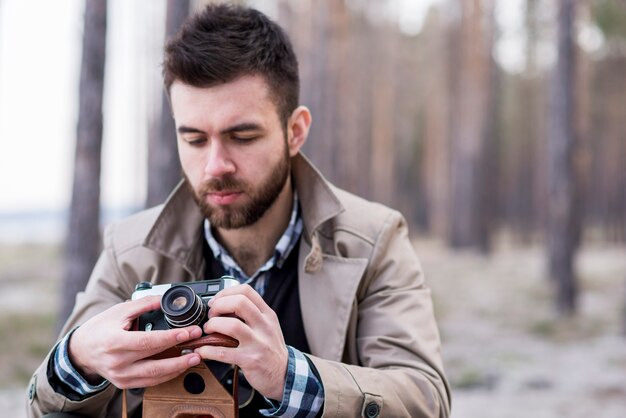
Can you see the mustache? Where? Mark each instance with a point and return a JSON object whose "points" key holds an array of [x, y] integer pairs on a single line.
{"points": [[222, 184]]}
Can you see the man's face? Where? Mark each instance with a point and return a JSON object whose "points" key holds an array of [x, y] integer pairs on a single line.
{"points": [[232, 149]]}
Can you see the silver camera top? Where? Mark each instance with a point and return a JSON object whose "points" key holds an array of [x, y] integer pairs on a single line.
{"points": [[205, 288]]}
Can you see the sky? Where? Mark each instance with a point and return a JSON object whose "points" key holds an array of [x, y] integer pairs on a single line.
{"points": [[36, 78], [40, 49]]}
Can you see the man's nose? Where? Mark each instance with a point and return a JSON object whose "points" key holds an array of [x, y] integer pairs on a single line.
{"points": [[219, 162]]}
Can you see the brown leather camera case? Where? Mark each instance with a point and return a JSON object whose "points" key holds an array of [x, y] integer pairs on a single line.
{"points": [[173, 399]]}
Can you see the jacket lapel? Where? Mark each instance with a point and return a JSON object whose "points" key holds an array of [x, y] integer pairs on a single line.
{"points": [[327, 298], [177, 232], [327, 284]]}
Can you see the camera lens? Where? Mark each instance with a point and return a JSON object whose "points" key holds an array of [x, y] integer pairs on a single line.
{"points": [[182, 307]]}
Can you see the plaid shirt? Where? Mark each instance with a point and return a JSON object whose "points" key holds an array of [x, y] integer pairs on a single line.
{"points": [[303, 395], [283, 248]]}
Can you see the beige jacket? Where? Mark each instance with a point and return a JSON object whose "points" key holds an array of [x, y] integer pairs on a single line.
{"points": [[367, 314]]}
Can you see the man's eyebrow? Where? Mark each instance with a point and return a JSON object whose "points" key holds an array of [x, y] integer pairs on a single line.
{"points": [[188, 130], [242, 127]]}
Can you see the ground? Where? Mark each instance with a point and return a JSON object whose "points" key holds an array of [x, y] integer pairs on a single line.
{"points": [[506, 353]]}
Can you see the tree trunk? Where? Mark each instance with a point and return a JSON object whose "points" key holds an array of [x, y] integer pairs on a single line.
{"points": [[382, 166], [436, 126], [522, 193], [488, 158], [319, 89], [164, 170], [563, 224], [582, 124], [83, 239], [470, 116]]}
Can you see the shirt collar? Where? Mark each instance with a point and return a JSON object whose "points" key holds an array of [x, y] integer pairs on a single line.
{"points": [[283, 248]]}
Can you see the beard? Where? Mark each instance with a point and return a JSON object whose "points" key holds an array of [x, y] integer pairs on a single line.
{"points": [[245, 214]]}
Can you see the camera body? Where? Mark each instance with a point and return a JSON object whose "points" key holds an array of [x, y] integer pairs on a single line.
{"points": [[182, 304]]}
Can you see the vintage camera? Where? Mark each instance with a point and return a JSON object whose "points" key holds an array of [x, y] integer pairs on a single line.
{"points": [[182, 304], [197, 392]]}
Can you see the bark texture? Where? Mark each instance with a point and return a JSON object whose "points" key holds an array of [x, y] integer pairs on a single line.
{"points": [[563, 222], [83, 239]]}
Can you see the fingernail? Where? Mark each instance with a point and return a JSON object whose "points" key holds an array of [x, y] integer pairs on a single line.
{"points": [[182, 336], [194, 361]]}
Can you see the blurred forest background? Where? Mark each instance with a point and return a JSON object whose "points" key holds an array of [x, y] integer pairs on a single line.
{"points": [[496, 127]]}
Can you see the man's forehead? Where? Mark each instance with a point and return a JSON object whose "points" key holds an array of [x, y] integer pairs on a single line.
{"points": [[245, 99]]}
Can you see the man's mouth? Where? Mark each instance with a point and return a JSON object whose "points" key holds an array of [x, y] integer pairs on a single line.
{"points": [[223, 197]]}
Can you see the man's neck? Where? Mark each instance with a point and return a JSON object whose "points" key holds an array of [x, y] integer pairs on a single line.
{"points": [[253, 245]]}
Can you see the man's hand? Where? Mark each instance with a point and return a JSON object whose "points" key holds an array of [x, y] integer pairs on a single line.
{"points": [[261, 354], [105, 347]]}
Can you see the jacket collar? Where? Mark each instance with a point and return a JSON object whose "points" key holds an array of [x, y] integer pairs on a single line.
{"points": [[318, 200], [177, 231]]}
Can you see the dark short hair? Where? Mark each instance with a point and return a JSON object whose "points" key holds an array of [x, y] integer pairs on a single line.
{"points": [[224, 42]]}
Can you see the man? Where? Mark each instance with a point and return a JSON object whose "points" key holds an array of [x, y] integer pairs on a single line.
{"points": [[333, 318]]}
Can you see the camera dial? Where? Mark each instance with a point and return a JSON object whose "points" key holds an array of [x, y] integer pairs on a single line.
{"points": [[182, 307]]}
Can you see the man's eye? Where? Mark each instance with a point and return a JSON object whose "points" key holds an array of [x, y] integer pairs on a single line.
{"points": [[196, 141], [244, 139]]}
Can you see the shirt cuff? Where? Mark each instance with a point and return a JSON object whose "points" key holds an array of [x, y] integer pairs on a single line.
{"points": [[67, 374], [303, 395]]}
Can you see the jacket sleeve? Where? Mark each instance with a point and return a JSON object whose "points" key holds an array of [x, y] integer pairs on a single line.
{"points": [[398, 370], [105, 289]]}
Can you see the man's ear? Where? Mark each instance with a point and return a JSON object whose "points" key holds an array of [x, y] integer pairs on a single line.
{"points": [[298, 129]]}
